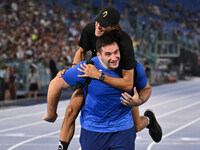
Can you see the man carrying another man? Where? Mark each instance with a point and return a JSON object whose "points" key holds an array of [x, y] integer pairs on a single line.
{"points": [[105, 119]]}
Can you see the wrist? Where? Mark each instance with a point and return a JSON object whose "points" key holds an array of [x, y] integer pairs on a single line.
{"points": [[74, 64], [101, 77], [140, 102], [97, 75]]}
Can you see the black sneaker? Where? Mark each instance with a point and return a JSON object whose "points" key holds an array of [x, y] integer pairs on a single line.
{"points": [[155, 130]]}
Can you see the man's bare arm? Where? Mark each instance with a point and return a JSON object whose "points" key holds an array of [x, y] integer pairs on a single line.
{"points": [[54, 91], [145, 93], [125, 83], [79, 56]]}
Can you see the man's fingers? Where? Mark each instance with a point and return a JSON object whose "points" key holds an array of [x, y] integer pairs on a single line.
{"points": [[82, 76], [83, 71], [83, 66], [79, 69], [125, 101], [125, 95], [60, 73], [135, 91], [63, 71]]}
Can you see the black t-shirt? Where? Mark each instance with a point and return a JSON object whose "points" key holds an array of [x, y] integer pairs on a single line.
{"points": [[88, 42]]}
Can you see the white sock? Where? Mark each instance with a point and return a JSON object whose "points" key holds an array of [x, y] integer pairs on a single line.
{"points": [[148, 120]]}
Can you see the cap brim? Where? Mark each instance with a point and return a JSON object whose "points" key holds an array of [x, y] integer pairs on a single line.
{"points": [[101, 22]]}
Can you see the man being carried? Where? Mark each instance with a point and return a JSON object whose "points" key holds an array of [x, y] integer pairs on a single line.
{"points": [[106, 122]]}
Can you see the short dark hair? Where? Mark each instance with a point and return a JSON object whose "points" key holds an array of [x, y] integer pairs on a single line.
{"points": [[106, 39]]}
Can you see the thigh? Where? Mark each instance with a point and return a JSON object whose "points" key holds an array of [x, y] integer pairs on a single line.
{"points": [[123, 140], [94, 140]]}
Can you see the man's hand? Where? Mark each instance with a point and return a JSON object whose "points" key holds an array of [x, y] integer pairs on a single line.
{"points": [[129, 100], [60, 73], [50, 118], [89, 71]]}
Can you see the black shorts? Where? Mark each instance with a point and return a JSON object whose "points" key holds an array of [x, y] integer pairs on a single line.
{"points": [[6, 86], [33, 87]]}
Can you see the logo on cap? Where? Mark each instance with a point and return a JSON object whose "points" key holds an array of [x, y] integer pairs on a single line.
{"points": [[105, 13]]}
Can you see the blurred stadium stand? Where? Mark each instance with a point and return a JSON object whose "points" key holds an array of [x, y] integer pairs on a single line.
{"points": [[166, 33]]}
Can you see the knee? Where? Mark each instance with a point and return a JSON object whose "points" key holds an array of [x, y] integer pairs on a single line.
{"points": [[71, 113]]}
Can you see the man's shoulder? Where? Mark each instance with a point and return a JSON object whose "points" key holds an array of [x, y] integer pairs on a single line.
{"points": [[89, 27], [125, 35], [139, 67], [96, 61], [95, 58], [125, 40]]}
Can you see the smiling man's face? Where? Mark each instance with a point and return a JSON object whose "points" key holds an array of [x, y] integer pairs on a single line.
{"points": [[109, 56], [100, 30]]}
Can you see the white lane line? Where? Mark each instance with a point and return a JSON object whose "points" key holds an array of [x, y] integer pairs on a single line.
{"points": [[180, 128], [169, 101], [175, 91], [32, 139], [20, 116], [174, 131], [190, 139], [35, 138], [34, 113], [176, 85], [28, 125], [14, 108], [27, 115], [178, 109]]}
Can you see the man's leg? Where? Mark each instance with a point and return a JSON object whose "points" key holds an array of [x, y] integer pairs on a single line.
{"points": [[72, 111], [149, 121], [140, 122]]}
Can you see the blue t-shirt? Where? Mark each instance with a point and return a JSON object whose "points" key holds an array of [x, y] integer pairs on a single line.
{"points": [[141, 79], [103, 110]]}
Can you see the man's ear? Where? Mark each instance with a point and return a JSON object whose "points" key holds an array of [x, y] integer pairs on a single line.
{"points": [[98, 55]]}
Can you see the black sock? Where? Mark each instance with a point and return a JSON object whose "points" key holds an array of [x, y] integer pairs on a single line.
{"points": [[150, 121], [63, 145]]}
